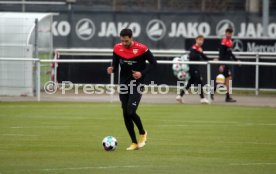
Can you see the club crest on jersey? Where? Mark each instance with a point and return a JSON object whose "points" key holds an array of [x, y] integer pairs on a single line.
{"points": [[135, 51]]}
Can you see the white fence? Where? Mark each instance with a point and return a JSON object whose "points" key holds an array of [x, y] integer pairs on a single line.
{"points": [[158, 53], [257, 56]]}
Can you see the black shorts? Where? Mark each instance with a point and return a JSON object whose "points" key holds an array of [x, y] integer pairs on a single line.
{"points": [[130, 98], [226, 72], [196, 76]]}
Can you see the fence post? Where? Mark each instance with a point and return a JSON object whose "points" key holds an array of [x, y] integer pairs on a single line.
{"points": [[209, 80], [55, 66], [37, 67], [36, 39], [257, 75], [37, 62]]}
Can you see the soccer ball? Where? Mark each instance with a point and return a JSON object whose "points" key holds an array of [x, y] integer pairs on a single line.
{"points": [[177, 67], [182, 75], [184, 57], [185, 67], [109, 143], [220, 79], [176, 59]]}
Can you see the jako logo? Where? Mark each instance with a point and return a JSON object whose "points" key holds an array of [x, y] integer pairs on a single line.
{"points": [[156, 29], [85, 29], [223, 25]]}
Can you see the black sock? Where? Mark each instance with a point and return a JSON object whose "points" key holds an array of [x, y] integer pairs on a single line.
{"points": [[136, 119], [201, 92], [182, 92], [130, 127], [215, 88], [227, 95]]}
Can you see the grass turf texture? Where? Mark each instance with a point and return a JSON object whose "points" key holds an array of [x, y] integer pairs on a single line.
{"points": [[64, 137]]}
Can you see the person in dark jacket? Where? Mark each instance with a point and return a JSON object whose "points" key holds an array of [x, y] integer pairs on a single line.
{"points": [[226, 54], [196, 54], [132, 56]]}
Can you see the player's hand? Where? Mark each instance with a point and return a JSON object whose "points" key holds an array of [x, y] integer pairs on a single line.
{"points": [[109, 70], [136, 75], [221, 68]]}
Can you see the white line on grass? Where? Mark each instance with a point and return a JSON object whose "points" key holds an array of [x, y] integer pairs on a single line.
{"points": [[19, 135], [94, 167], [201, 121], [192, 125], [220, 122], [216, 124], [255, 143], [39, 127], [251, 164], [267, 124]]}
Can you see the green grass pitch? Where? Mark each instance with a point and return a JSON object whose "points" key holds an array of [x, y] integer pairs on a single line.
{"points": [[65, 137]]}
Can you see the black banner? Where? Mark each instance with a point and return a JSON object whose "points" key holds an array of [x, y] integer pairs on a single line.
{"points": [[239, 45], [162, 31], [157, 30]]}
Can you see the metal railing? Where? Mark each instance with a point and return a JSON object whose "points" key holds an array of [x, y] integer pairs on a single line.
{"points": [[157, 53], [34, 2], [257, 56], [207, 63], [160, 53]]}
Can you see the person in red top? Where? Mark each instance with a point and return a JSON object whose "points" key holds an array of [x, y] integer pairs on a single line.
{"points": [[196, 54], [132, 57], [225, 54]]}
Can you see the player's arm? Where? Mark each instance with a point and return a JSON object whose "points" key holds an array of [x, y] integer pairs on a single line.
{"points": [[205, 57], [233, 56], [222, 53], [152, 62], [197, 55], [115, 63]]}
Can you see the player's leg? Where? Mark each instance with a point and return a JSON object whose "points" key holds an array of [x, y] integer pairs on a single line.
{"points": [[198, 80], [215, 86], [221, 70], [214, 91], [132, 106], [187, 87], [128, 121], [228, 77], [133, 103]]}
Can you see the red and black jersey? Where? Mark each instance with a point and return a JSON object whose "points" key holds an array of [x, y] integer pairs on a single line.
{"points": [[225, 50], [132, 59], [196, 54]]}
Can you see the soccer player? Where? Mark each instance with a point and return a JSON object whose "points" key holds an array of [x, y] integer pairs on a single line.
{"points": [[132, 57], [196, 54], [225, 54]]}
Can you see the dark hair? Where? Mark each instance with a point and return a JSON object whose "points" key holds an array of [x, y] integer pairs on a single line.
{"points": [[126, 32], [229, 30], [199, 37]]}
